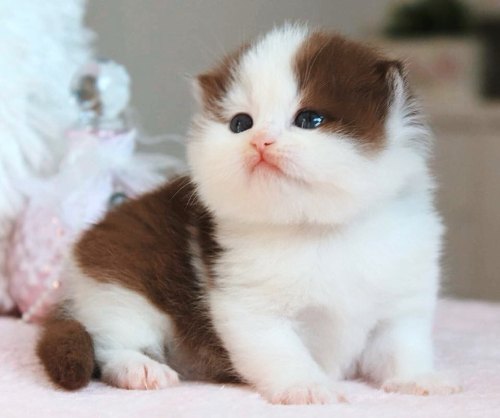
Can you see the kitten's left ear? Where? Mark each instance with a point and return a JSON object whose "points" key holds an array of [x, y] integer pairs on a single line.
{"points": [[393, 72], [388, 66]]}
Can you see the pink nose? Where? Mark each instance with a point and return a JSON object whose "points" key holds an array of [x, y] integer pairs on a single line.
{"points": [[261, 141]]}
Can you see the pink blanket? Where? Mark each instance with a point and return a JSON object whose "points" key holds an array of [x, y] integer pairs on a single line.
{"points": [[468, 341]]}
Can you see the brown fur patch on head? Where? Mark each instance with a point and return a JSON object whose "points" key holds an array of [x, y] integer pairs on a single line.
{"points": [[215, 83], [349, 83]]}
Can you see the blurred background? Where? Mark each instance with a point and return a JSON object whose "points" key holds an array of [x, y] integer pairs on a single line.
{"points": [[452, 50]]}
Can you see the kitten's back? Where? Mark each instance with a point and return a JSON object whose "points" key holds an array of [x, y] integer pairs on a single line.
{"points": [[147, 246]]}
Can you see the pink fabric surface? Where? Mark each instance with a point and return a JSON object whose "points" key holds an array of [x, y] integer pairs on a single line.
{"points": [[467, 337]]}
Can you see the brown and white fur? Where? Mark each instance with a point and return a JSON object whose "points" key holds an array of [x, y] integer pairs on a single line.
{"points": [[289, 258]]}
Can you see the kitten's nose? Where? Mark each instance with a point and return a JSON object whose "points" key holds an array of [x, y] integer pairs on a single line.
{"points": [[261, 141]]}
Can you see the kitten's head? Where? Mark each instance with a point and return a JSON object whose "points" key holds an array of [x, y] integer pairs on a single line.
{"points": [[301, 127]]}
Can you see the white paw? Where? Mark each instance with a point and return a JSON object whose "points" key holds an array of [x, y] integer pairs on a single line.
{"points": [[424, 385], [306, 394], [137, 371]]}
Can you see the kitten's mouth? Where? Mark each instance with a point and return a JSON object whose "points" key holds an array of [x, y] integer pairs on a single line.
{"points": [[272, 166], [264, 163]]}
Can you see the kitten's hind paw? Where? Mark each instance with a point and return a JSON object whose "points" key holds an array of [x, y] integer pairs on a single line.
{"points": [[137, 371], [423, 385]]}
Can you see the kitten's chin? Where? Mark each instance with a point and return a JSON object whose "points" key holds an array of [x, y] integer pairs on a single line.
{"points": [[285, 217], [271, 198], [269, 176]]}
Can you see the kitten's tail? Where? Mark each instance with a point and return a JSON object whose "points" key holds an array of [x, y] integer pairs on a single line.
{"points": [[67, 353]]}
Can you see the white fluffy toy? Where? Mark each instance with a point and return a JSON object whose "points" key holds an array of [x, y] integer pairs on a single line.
{"points": [[42, 44], [99, 170]]}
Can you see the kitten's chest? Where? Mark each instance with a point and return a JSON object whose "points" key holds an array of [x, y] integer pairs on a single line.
{"points": [[369, 268], [290, 269]]}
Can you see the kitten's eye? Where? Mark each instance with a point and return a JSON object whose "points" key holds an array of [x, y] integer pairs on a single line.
{"points": [[308, 119], [241, 122]]}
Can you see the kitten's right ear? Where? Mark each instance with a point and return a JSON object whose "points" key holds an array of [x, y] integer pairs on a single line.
{"points": [[202, 85], [209, 89]]}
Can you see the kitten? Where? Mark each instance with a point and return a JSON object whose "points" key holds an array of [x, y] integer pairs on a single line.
{"points": [[302, 248]]}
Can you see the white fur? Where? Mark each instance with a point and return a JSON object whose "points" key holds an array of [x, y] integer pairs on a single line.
{"points": [[42, 43], [129, 334], [333, 269]]}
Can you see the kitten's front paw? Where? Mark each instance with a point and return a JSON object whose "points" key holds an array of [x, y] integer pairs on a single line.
{"points": [[424, 385], [141, 373], [306, 394]]}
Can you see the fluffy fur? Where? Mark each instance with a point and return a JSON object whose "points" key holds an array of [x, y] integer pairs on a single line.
{"points": [[313, 254], [42, 45]]}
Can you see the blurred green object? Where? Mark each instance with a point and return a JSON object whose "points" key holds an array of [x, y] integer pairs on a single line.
{"points": [[489, 32], [429, 18]]}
